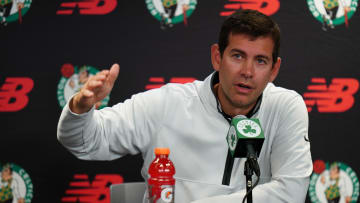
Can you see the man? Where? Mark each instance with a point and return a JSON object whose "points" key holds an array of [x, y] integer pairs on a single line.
{"points": [[9, 187], [6, 9], [80, 79], [170, 7], [193, 120], [335, 186], [331, 9]]}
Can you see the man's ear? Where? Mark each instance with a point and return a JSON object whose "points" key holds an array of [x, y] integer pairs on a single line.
{"points": [[275, 69], [215, 57]]}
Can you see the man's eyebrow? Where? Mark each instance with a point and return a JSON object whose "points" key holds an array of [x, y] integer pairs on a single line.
{"points": [[238, 51], [263, 57], [244, 53]]}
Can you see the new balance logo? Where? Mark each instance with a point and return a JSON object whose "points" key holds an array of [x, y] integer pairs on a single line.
{"points": [[13, 94], [81, 190], [87, 7], [160, 81], [267, 7], [337, 97]]}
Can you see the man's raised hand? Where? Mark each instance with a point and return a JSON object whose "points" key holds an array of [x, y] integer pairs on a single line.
{"points": [[94, 90]]}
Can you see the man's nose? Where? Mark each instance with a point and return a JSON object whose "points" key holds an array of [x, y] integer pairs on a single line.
{"points": [[247, 70]]}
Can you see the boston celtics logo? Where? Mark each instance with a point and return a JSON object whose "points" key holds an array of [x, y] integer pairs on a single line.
{"points": [[170, 12], [249, 128], [232, 138], [13, 10], [333, 182], [15, 184], [332, 12], [72, 80]]}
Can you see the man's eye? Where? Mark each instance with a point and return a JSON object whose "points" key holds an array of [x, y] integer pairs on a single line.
{"points": [[237, 56], [261, 61]]}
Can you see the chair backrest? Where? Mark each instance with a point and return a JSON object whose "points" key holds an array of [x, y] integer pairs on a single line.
{"points": [[127, 192]]}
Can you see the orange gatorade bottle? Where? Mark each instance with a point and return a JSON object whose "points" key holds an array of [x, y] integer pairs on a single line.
{"points": [[161, 183]]}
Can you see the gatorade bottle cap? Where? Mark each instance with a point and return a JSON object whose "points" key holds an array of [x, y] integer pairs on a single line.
{"points": [[162, 151]]}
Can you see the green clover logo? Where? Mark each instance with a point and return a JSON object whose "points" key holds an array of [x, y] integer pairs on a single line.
{"points": [[248, 129]]}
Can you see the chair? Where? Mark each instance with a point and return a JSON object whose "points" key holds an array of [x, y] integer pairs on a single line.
{"points": [[127, 192]]}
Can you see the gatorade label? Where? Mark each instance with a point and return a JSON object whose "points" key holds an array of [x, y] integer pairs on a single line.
{"points": [[165, 195]]}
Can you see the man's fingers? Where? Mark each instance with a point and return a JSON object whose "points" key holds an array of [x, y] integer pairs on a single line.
{"points": [[114, 72], [100, 77], [105, 72], [95, 84], [88, 93]]}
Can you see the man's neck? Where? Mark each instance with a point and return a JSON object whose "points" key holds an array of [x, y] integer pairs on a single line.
{"points": [[226, 105]]}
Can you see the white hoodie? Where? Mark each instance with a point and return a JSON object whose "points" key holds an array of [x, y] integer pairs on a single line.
{"points": [[185, 119]]}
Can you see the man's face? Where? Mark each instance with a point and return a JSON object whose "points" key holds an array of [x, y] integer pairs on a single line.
{"points": [[5, 174], [334, 173], [245, 68]]}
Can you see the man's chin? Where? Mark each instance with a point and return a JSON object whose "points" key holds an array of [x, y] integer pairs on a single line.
{"points": [[241, 104]]}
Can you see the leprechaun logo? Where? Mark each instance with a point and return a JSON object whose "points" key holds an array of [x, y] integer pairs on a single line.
{"points": [[15, 184], [13, 10], [73, 78], [332, 12], [232, 138], [170, 12], [333, 182]]}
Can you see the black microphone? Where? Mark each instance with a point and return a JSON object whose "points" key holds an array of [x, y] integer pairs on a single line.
{"points": [[245, 137]]}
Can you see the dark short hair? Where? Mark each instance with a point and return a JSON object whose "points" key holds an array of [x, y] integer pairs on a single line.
{"points": [[252, 23]]}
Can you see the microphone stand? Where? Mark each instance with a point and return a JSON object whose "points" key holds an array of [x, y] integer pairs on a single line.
{"points": [[248, 172], [251, 166]]}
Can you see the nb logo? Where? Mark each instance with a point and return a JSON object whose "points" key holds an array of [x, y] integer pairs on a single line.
{"points": [[87, 7], [82, 190], [337, 97], [267, 7], [13, 94], [160, 81]]}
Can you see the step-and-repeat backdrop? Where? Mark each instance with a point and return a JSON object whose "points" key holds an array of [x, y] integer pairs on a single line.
{"points": [[48, 50]]}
